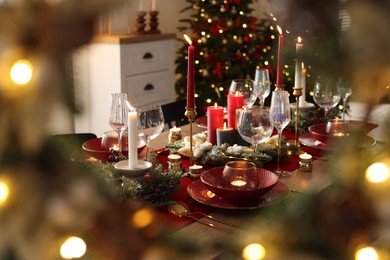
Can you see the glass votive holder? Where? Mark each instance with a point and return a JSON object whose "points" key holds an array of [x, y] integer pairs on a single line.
{"points": [[305, 163], [174, 162], [195, 170], [240, 175], [337, 127], [110, 141], [174, 134]]}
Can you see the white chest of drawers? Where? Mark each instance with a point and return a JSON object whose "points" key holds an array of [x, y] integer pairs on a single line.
{"points": [[141, 66]]}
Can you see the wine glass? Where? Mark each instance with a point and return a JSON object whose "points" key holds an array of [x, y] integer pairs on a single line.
{"points": [[261, 86], [243, 87], [150, 122], [280, 117], [345, 91], [118, 115], [254, 125], [326, 95]]}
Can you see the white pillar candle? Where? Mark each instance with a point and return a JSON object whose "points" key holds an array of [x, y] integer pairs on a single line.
{"points": [[132, 140], [298, 68], [302, 99], [153, 5]]}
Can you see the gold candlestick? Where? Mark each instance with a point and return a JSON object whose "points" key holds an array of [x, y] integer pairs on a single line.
{"points": [[190, 114], [297, 93], [279, 87]]}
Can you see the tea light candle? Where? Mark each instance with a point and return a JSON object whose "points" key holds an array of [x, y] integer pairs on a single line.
{"points": [[238, 183], [224, 135], [214, 120], [174, 134], [175, 158], [195, 170], [305, 164], [174, 162], [305, 157]]}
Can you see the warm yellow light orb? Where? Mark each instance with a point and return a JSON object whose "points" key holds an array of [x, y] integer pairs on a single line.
{"points": [[366, 253], [142, 218], [4, 192], [377, 172], [21, 72], [73, 247], [253, 251]]}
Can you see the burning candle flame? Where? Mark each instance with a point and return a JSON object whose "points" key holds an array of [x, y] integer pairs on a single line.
{"points": [[303, 65], [279, 29], [299, 39], [187, 39], [215, 105]]}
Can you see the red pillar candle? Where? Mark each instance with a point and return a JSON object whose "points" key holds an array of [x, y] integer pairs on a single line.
{"points": [[214, 121], [190, 74], [235, 101], [279, 72]]}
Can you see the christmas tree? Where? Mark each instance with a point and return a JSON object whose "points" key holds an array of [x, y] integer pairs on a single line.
{"points": [[229, 42]]}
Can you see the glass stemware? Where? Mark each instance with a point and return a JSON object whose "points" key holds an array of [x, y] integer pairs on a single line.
{"points": [[326, 95], [244, 87], [254, 126], [345, 91], [262, 86], [118, 115], [280, 116], [150, 123]]}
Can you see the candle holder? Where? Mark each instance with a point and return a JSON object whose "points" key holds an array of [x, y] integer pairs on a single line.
{"points": [[153, 23], [297, 93], [140, 22], [190, 114], [279, 87]]}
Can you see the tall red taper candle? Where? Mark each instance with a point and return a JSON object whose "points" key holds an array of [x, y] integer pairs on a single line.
{"points": [[190, 74], [214, 121], [279, 72]]}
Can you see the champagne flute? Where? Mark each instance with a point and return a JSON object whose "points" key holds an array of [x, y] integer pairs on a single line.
{"points": [[262, 86], [150, 123], [118, 115], [254, 126], [326, 95], [345, 91], [243, 87], [280, 117]]}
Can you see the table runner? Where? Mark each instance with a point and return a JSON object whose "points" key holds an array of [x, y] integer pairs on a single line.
{"points": [[288, 164]]}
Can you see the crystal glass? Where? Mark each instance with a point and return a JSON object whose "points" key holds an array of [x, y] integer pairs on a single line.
{"points": [[244, 87], [261, 85], [150, 122], [254, 125], [326, 95], [280, 116], [345, 91], [118, 115]]}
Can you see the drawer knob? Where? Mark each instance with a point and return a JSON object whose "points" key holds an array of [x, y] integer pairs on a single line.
{"points": [[148, 87], [147, 56]]}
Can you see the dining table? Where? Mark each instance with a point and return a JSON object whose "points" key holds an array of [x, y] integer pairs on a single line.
{"points": [[298, 183]]}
